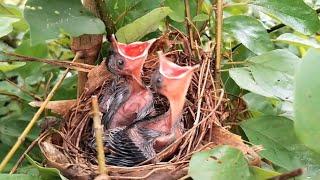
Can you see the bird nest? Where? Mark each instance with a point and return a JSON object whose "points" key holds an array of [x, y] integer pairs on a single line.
{"points": [[66, 148]]}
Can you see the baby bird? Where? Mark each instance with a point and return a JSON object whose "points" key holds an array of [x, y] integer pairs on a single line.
{"points": [[129, 98], [146, 137]]}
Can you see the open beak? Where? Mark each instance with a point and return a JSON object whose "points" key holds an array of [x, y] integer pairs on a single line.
{"points": [[175, 81], [134, 54], [132, 51], [173, 71]]}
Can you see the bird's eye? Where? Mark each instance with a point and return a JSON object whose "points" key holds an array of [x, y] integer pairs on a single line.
{"points": [[120, 63], [159, 80]]}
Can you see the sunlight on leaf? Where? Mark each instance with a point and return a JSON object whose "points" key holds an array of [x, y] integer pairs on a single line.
{"points": [[298, 40], [280, 143], [142, 26], [47, 19], [6, 25], [5, 67], [270, 74], [250, 32], [260, 105], [221, 162], [294, 13]]}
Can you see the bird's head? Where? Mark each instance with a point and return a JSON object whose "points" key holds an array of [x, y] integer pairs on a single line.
{"points": [[128, 59], [172, 80]]}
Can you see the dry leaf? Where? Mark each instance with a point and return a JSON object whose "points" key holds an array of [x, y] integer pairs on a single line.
{"points": [[60, 107], [222, 136]]}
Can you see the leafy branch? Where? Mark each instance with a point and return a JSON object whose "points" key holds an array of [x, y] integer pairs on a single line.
{"points": [[35, 118]]}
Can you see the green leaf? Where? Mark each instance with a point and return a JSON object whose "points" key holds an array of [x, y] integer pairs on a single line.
{"points": [[294, 13], [32, 72], [270, 74], [14, 12], [18, 176], [11, 130], [260, 105], [235, 8], [48, 18], [10, 89], [125, 11], [5, 67], [39, 50], [307, 100], [297, 40], [280, 143], [46, 173], [221, 162], [200, 17], [142, 26], [243, 77], [250, 32], [262, 174], [178, 14], [6, 25], [68, 89], [4, 150]]}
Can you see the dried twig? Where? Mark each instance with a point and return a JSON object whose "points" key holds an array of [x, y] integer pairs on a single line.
{"points": [[55, 62], [98, 130], [289, 175], [36, 116]]}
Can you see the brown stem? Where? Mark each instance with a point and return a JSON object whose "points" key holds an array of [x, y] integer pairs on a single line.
{"points": [[199, 4], [89, 45], [289, 175], [104, 16], [54, 62], [98, 131], [188, 25], [218, 30]]}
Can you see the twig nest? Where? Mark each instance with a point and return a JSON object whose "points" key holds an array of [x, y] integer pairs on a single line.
{"points": [[67, 148]]}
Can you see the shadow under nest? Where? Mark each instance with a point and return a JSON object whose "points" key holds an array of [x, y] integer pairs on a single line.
{"points": [[68, 150]]}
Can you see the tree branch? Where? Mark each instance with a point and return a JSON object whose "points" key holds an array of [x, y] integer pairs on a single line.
{"points": [[104, 16], [188, 25], [289, 175], [88, 45], [55, 62], [218, 30], [98, 131]]}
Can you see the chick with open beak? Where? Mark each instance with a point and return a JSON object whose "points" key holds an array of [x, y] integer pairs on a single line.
{"points": [[130, 99], [143, 139]]}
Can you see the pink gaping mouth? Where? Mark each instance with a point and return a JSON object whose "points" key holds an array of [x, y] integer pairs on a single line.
{"points": [[133, 49], [172, 70]]}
